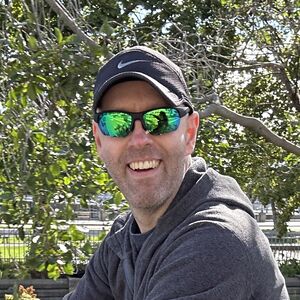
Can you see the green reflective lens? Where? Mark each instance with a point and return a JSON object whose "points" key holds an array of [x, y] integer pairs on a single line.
{"points": [[115, 124], [160, 121], [156, 121]]}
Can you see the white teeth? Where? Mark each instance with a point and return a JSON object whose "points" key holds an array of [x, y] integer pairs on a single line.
{"points": [[144, 165]]}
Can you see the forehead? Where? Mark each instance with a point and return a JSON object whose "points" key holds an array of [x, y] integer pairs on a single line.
{"points": [[132, 96]]}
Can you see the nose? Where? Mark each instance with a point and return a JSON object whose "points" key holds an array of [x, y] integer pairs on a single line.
{"points": [[139, 137]]}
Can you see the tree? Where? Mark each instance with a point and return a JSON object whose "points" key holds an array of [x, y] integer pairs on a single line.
{"points": [[46, 147], [241, 60]]}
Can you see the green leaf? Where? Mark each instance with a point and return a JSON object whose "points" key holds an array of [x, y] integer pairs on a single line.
{"points": [[55, 170], [39, 136], [106, 28], [23, 101], [31, 91], [118, 197], [53, 271], [67, 180], [87, 248], [70, 39], [58, 35], [41, 267], [12, 94], [40, 78], [9, 103], [32, 42], [6, 196], [76, 234], [68, 268], [69, 212]]}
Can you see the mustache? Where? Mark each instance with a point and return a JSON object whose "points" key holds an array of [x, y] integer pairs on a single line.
{"points": [[147, 151]]}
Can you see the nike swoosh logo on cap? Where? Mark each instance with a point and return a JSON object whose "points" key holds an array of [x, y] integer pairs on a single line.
{"points": [[122, 64]]}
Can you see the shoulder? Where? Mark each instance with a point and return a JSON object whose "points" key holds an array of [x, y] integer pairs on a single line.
{"points": [[212, 256], [207, 240]]}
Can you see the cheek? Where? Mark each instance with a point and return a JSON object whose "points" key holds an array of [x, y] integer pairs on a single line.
{"points": [[110, 151], [183, 136], [175, 143], [183, 143]]}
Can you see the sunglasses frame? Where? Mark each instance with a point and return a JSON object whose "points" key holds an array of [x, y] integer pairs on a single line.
{"points": [[182, 111]]}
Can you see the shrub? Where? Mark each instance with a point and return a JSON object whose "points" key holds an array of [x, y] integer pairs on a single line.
{"points": [[23, 293], [290, 268]]}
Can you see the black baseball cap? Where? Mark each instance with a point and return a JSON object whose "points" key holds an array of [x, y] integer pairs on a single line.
{"points": [[146, 64]]}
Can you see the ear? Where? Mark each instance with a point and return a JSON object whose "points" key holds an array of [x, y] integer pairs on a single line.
{"points": [[96, 135], [191, 132]]}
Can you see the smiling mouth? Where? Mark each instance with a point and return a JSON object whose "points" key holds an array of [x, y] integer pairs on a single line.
{"points": [[144, 165]]}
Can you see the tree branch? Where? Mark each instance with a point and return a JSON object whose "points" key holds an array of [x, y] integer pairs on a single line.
{"points": [[70, 22], [280, 74], [251, 123]]}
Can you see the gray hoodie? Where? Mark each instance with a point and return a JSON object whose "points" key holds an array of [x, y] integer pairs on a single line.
{"points": [[207, 246]]}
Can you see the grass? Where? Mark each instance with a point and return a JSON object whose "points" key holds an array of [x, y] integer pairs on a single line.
{"points": [[12, 248]]}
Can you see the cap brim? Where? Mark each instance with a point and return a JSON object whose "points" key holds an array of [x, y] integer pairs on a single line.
{"points": [[170, 97]]}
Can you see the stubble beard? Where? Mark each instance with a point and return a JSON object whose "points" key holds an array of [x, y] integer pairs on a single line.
{"points": [[148, 196]]}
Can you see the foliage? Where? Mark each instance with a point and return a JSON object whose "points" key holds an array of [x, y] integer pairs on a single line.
{"points": [[48, 159], [13, 270], [290, 268]]}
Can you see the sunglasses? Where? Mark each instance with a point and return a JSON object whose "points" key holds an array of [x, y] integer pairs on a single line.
{"points": [[155, 121]]}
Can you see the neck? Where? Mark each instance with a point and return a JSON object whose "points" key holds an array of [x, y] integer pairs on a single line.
{"points": [[146, 218]]}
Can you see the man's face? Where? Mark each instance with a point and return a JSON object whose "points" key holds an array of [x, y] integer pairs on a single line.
{"points": [[148, 169]]}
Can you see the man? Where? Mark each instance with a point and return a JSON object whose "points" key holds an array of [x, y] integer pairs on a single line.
{"points": [[191, 233]]}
